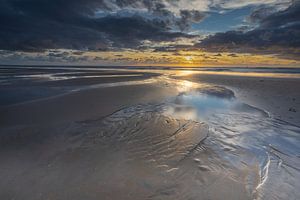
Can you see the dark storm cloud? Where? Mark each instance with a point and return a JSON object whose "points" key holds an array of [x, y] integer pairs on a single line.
{"points": [[36, 25], [277, 32], [261, 13], [188, 16]]}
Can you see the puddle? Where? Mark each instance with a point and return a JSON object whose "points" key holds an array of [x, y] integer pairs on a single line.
{"points": [[248, 139], [205, 106]]}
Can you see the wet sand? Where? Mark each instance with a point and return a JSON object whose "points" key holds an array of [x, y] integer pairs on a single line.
{"points": [[82, 105], [154, 137], [23, 85]]}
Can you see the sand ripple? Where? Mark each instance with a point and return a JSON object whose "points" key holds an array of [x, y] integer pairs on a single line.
{"points": [[201, 144]]}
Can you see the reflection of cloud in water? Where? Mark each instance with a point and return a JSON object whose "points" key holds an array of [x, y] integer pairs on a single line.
{"points": [[245, 137], [72, 75], [206, 103]]}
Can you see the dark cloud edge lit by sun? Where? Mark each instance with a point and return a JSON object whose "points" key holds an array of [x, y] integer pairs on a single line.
{"points": [[143, 32]]}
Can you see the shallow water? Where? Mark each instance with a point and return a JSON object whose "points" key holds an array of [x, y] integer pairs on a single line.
{"points": [[247, 138], [20, 84], [201, 144], [24, 84]]}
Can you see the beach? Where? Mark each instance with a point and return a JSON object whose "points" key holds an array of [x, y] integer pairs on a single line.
{"points": [[148, 134]]}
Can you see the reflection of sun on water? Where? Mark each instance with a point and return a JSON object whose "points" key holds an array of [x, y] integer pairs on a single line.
{"points": [[185, 86], [184, 72]]}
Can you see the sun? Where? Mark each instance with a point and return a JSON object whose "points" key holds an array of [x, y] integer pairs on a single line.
{"points": [[189, 59]]}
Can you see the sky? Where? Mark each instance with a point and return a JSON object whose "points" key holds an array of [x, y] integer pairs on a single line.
{"points": [[150, 32]]}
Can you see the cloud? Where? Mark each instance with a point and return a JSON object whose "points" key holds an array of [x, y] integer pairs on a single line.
{"points": [[92, 34], [188, 17], [232, 4], [36, 25], [139, 25], [232, 55], [101, 25], [277, 33]]}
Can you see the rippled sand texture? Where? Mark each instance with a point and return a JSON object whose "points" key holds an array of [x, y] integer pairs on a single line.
{"points": [[132, 152], [144, 152], [201, 144], [135, 153]]}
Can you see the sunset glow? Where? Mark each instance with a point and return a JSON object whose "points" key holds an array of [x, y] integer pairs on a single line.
{"points": [[151, 33]]}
